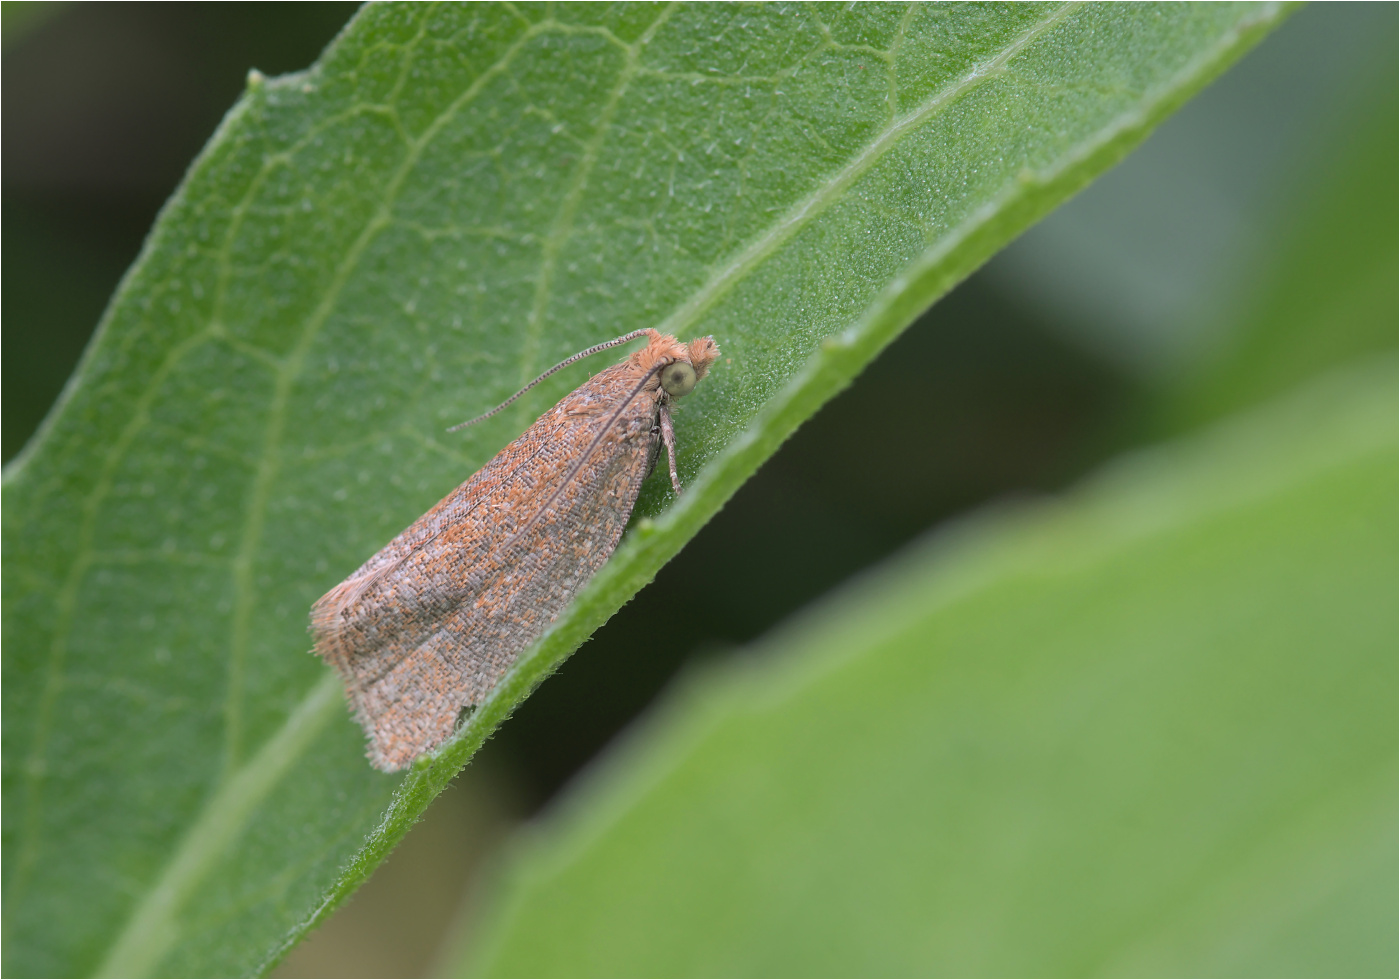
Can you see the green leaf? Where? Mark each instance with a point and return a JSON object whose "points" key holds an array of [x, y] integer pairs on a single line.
{"points": [[453, 198], [1327, 293], [1145, 730]]}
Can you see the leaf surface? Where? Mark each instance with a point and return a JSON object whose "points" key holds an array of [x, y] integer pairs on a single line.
{"points": [[453, 198]]}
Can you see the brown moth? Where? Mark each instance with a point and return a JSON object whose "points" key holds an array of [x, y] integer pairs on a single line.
{"points": [[428, 626]]}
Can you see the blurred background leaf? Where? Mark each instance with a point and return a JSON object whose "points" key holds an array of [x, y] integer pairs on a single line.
{"points": [[1323, 287], [1147, 730], [389, 243]]}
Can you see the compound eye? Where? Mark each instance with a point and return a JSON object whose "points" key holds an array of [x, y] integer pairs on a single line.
{"points": [[678, 378]]}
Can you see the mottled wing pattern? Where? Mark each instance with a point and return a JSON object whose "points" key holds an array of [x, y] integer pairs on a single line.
{"points": [[432, 622]]}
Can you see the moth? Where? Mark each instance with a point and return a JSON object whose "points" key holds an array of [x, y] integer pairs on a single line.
{"points": [[431, 623]]}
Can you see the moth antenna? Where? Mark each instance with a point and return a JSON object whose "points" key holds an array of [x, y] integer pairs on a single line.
{"points": [[625, 338], [583, 458]]}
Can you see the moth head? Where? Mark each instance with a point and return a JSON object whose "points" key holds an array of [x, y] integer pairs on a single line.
{"points": [[678, 378]]}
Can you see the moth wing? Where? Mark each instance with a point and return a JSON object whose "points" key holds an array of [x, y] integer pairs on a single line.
{"points": [[416, 702], [431, 622], [381, 590]]}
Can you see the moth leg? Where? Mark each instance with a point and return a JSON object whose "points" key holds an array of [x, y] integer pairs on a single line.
{"points": [[654, 452], [668, 436]]}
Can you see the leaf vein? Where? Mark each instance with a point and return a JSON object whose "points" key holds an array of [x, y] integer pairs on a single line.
{"points": [[800, 215], [562, 225]]}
